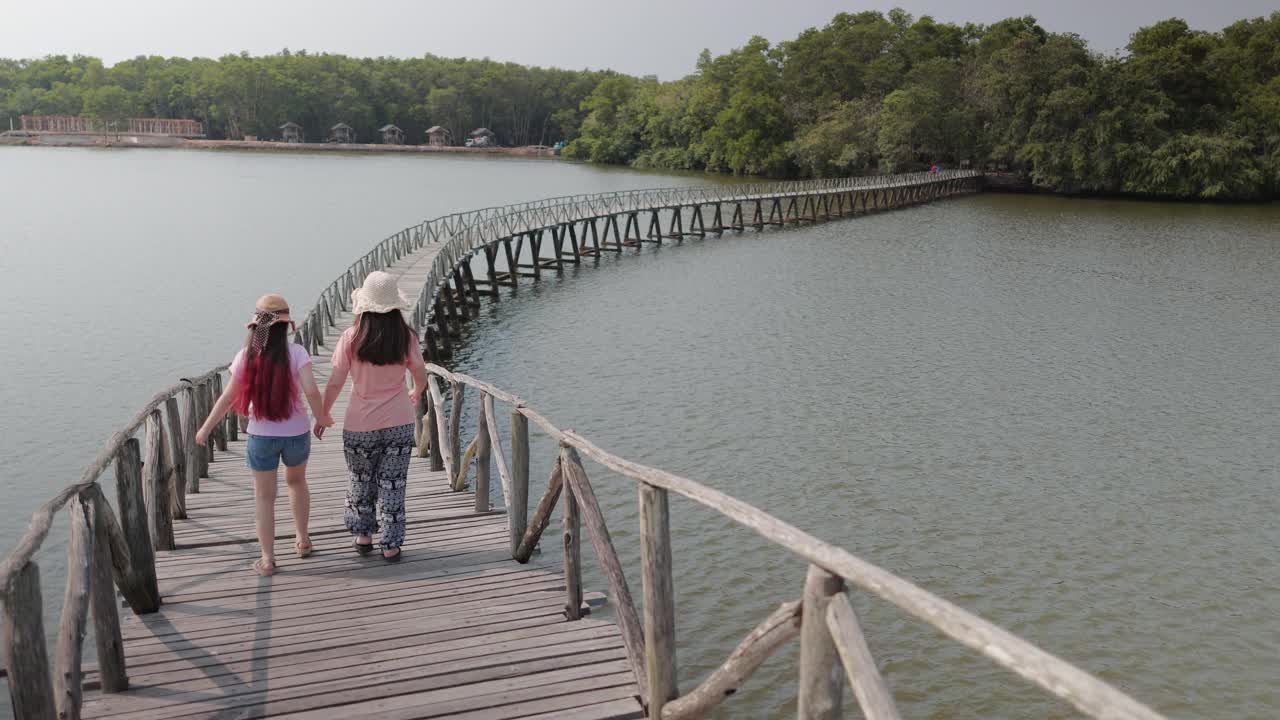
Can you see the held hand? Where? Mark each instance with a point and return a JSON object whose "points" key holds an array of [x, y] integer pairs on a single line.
{"points": [[415, 393], [202, 436], [319, 431]]}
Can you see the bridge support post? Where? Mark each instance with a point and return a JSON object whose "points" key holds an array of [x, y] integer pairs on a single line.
{"points": [[483, 456], [570, 529], [144, 596], [659, 599], [519, 510], [103, 606], [25, 655], [177, 459], [821, 681]]}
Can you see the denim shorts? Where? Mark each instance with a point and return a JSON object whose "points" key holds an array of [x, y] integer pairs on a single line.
{"points": [[263, 453]]}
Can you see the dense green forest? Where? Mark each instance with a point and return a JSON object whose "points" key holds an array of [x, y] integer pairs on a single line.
{"points": [[239, 95], [1181, 113]]}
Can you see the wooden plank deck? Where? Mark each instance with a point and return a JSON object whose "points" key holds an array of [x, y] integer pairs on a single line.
{"points": [[457, 629]]}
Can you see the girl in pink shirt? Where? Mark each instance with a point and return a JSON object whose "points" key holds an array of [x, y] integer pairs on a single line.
{"points": [[377, 433], [269, 378]]}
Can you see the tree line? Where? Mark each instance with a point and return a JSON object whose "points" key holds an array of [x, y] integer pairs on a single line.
{"points": [[1181, 113], [238, 95]]}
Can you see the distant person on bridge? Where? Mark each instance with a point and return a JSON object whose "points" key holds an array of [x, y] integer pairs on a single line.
{"points": [[377, 432], [269, 377]]}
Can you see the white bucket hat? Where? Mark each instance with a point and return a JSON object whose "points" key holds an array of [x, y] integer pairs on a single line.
{"points": [[379, 294]]}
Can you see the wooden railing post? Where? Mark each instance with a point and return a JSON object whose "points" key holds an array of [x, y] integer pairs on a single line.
{"points": [[659, 598], [584, 497], [133, 522], [458, 391], [26, 658], [177, 458], [68, 681], [105, 609], [156, 486], [483, 452], [205, 404], [193, 453], [868, 687], [518, 512], [572, 556], [435, 461], [821, 682], [419, 415], [442, 443], [220, 429]]}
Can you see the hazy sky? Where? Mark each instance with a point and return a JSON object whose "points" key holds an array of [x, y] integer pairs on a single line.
{"points": [[641, 37]]}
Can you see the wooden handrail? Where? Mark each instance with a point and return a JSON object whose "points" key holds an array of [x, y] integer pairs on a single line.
{"points": [[1088, 694], [42, 519]]}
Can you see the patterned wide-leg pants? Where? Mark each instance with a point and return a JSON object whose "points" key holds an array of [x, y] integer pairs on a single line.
{"points": [[379, 464]]}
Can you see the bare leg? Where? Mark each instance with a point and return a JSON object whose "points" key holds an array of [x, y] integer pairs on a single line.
{"points": [[300, 502], [264, 493]]}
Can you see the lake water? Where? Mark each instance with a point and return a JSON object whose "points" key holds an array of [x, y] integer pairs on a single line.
{"points": [[1063, 415]]}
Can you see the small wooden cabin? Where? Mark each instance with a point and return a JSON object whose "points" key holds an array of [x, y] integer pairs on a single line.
{"points": [[439, 137], [342, 133], [291, 132], [391, 135], [483, 137]]}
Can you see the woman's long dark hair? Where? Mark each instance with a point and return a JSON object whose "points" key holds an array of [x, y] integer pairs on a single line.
{"points": [[266, 378], [382, 338]]}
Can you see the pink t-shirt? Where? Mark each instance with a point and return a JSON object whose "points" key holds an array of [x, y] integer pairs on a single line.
{"points": [[297, 423], [379, 398]]}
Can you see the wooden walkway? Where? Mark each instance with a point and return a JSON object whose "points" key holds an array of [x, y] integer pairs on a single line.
{"points": [[455, 630]]}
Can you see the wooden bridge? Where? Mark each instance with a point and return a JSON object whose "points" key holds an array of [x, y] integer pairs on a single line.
{"points": [[474, 623]]}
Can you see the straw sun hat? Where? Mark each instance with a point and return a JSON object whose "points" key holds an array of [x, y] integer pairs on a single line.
{"points": [[270, 309], [379, 294]]}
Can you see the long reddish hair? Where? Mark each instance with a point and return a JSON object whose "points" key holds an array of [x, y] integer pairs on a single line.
{"points": [[266, 378]]}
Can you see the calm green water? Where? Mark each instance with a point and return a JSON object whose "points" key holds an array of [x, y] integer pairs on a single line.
{"points": [[1063, 415]]}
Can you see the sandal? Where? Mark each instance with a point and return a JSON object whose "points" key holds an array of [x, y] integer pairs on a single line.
{"points": [[394, 558], [362, 548], [304, 550], [264, 569]]}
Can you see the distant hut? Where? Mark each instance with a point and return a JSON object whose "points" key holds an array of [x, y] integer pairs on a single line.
{"points": [[439, 137], [342, 133], [291, 132], [483, 137], [391, 135]]}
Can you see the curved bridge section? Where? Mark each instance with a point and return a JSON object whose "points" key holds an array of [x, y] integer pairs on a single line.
{"points": [[513, 238]]}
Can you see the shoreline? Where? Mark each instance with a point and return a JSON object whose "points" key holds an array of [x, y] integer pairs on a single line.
{"points": [[166, 141]]}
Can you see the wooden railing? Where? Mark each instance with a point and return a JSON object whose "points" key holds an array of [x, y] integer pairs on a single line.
{"points": [[822, 617], [152, 482]]}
